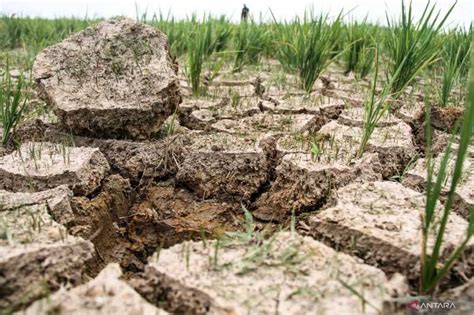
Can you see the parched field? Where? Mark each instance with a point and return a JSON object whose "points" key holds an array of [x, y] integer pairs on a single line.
{"points": [[318, 166]]}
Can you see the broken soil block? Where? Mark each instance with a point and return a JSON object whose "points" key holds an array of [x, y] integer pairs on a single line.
{"points": [[137, 161], [444, 119], [106, 294], [381, 223], [222, 164], [103, 220], [269, 123], [304, 182], [393, 144], [200, 114], [301, 104], [37, 255], [286, 274], [169, 215], [417, 177], [355, 117], [115, 79], [41, 165], [57, 201]]}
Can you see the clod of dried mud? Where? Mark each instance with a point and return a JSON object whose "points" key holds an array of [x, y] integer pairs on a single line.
{"points": [[136, 160], [355, 117], [380, 222], [115, 79], [169, 215], [417, 177], [103, 219], [302, 183], [200, 114], [37, 255], [39, 166], [393, 144], [287, 274], [222, 164], [106, 294], [268, 123]]}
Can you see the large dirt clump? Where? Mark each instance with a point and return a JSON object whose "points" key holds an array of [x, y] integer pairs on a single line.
{"points": [[114, 80]]}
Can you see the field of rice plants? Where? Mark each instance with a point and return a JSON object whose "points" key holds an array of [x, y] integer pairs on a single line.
{"points": [[318, 165]]}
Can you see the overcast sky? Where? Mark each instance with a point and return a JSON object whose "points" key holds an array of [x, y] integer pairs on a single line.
{"points": [[375, 9]]}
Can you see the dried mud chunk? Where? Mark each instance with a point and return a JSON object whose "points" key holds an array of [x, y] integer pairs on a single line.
{"points": [[112, 80], [444, 119], [134, 160], [224, 164], [29, 272], [34, 217], [169, 215], [380, 222], [355, 117], [41, 165], [393, 144], [417, 177], [36, 253], [106, 294], [289, 275], [102, 219], [301, 183], [267, 122], [305, 105]]}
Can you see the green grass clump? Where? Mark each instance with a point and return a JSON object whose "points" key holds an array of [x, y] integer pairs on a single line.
{"points": [[359, 53], [12, 103], [412, 46], [306, 46], [249, 43], [433, 269], [455, 62]]}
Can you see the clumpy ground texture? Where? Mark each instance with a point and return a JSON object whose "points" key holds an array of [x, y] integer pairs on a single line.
{"points": [[380, 222], [114, 79], [252, 196], [286, 274], [42, 165], [106, 294], [37, 254]]}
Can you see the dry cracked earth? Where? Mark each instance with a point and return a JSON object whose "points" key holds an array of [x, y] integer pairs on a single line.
{"points": [[137, 197]]}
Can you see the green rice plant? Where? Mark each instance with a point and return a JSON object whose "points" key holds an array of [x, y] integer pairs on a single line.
{"points": [[433, 270], [412, 46], [177, 32], [249, 44], [12, 103], [222, 34], [359, 53], [375, 107], [455, 59], [307, 47], [197, 49], [17, 32]]}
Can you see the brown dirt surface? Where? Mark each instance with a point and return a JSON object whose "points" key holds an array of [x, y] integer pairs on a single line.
{"points": [[114, 79]]}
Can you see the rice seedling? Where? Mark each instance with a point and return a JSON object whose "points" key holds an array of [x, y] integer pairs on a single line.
{"points": [[455, 59], [306, 46], [359, 53], [196, 53], [12, 103], [433, 269], [249, 43], [374, 109], [411, 45]]}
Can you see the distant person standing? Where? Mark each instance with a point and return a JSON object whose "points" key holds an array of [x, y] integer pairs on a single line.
{"points": [[245, 13]]}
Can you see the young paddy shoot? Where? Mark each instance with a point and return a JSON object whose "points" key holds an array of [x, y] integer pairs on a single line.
{"points": [[306, 46], [412, 45], [433, 268], [12, 102]]}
